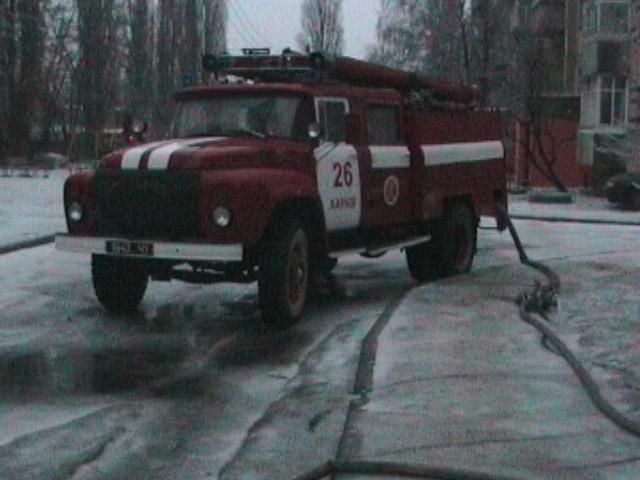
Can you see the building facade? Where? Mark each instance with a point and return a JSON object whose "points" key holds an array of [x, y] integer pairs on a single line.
{"points": [[591, 51], [609, 80]]}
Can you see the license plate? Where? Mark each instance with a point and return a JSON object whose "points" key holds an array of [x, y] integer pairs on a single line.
{"points": [[125, 247]]}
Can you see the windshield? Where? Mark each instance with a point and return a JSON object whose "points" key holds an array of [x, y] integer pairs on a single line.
{"points": [[259, 116]]}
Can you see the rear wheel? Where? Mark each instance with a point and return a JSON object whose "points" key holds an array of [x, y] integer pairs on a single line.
{"points": [[119, 283], [283, 279], [423, 262], [451, 248], [634, 200]]}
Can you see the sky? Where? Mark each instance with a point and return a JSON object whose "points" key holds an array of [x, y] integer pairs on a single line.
{"points": [[275, 23]]}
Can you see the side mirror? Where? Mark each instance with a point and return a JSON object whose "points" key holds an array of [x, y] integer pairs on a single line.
{"points": [[354, 128], [314, 130], [139, 126]]}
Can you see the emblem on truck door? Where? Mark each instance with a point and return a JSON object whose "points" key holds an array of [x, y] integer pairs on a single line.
{"points": [[391, 190]]}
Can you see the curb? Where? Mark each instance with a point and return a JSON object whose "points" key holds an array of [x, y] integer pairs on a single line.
{"points": [[30, 243], [594, 221], [550, 197]]}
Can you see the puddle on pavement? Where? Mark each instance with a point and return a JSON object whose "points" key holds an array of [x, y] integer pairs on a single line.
{"points": [[261, 345], [106, 370]]}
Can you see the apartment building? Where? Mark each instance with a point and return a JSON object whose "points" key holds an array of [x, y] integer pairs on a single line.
{"points": [[609, 81], [592, 55]]}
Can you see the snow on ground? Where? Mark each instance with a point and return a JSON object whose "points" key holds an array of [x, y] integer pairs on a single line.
{"points": [[31, 206], [598, 310], [457, 362]]}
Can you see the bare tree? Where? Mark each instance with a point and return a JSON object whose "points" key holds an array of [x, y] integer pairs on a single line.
{"points": [[59, 68], [486, 51], [448, 53], [140, 59], [95, 29], [322, 26], [166, 44], [185, 30], [21, 53], [215, 21], [6, 22], [430, 36], [402, 40], [530, 107], [192, 41]]}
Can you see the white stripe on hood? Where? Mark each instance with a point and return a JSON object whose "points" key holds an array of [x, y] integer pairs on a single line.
{"points": [[131, 158], [161, 152]]}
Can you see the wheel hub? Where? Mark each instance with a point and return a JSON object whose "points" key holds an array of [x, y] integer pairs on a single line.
{"points": [[463, 246], [297, 273]]}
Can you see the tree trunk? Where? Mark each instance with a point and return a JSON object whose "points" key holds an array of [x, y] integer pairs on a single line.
{"points": [[191, 45], [214, 26], [547, 168], [95, 23], [139, 58]]}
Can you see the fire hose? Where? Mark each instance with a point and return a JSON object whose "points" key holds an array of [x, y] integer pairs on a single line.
{"points": [[532, 304], [538, 301]]}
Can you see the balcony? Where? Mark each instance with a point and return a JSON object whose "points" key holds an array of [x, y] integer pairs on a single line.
{"points": [[605, 20]]}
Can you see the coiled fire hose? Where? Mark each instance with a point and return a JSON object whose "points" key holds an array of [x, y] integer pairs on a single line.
{"points": [[538, 300]]}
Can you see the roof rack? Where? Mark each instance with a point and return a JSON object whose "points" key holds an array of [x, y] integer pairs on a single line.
{"points": [[290, 66]]}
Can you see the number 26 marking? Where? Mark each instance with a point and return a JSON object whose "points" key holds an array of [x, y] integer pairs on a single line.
{"points": [[344, 176]]}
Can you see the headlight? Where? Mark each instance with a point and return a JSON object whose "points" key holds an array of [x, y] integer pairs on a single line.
{"points": [[221, 217], [609, 184], [75, 212]]}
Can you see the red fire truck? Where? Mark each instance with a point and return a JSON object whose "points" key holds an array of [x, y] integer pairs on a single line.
{"points": [[280, 165]]}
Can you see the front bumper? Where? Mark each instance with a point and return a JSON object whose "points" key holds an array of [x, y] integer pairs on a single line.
{"points": [[161, 250]]}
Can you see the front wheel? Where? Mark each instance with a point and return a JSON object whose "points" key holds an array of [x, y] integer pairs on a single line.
{"points": [[119, 283], [283, 279]]}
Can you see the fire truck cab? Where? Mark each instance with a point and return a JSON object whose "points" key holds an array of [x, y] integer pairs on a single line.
{"points": [[274, 176]]}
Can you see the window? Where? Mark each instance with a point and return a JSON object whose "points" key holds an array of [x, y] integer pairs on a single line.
{"points": [[523, 14], [614, 17], [613, 100], [382, 125], [257, 115], [589, 19], [331, 115], [606, 16]]}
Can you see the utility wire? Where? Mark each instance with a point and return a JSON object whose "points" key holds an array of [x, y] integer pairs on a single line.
{"points": [[252, 27], [240, 26], [240, 32]]}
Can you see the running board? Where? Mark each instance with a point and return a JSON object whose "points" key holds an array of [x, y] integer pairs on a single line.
{"points": [[377, 250]]}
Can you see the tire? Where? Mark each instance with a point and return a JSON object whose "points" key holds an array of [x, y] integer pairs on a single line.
{"points": [[119, 283], [423, 263], [451, 248], [283, 280], [634, 200]]}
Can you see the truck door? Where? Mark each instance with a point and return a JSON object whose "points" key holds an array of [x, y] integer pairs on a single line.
{"points": [[388, 191], [337, 166]]}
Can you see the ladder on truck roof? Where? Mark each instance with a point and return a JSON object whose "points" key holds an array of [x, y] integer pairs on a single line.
{"points": [[260, 65]]}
